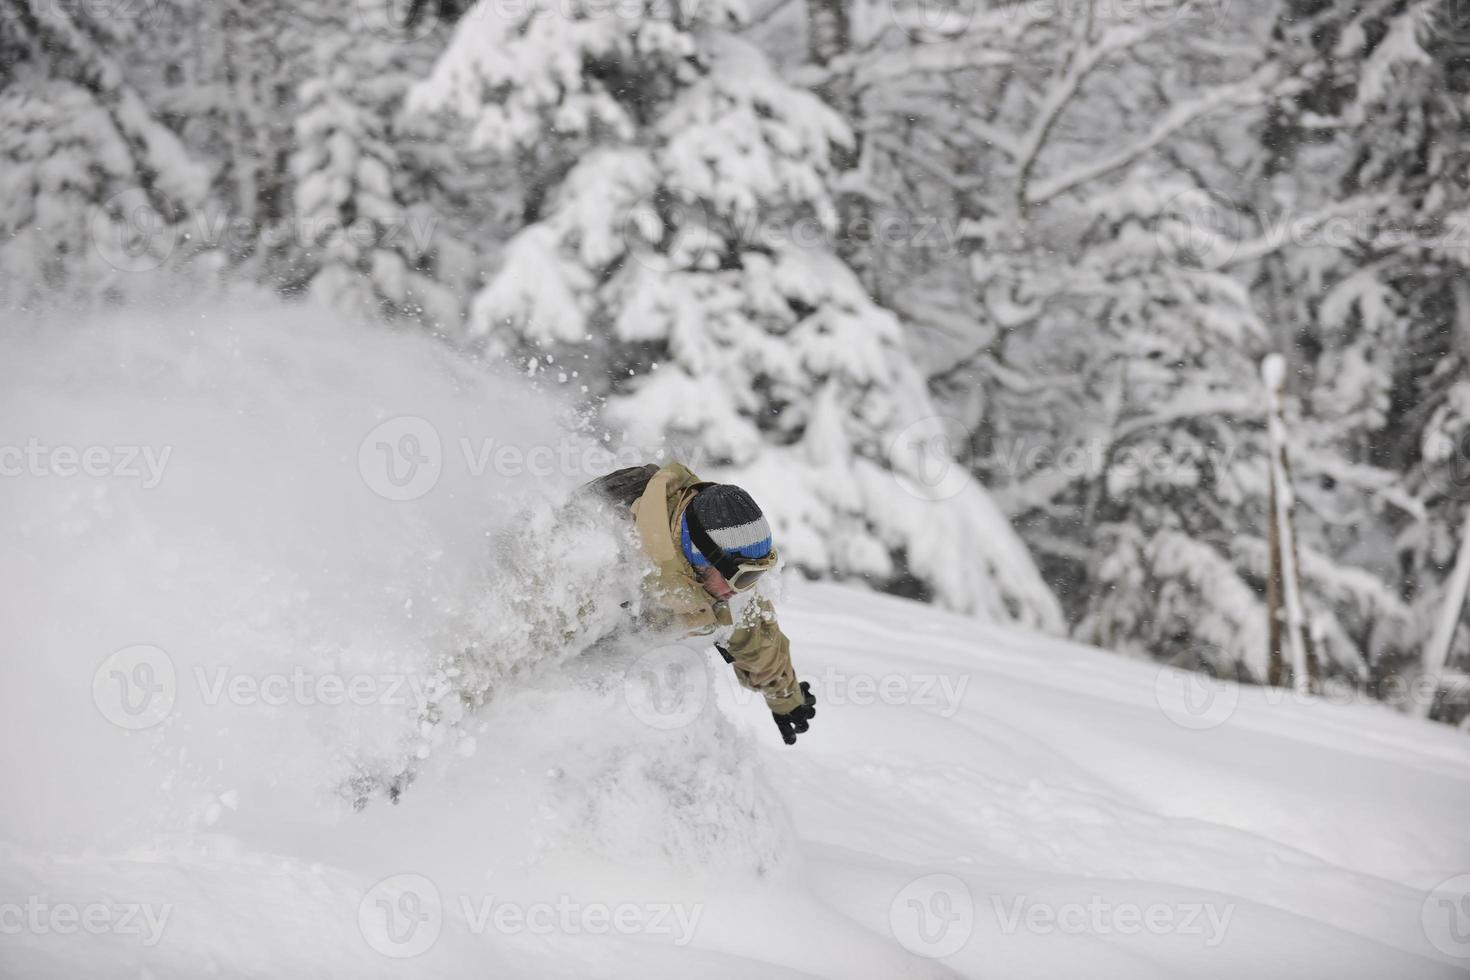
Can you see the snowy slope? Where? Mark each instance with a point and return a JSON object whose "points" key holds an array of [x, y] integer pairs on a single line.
{"points": [[1284, 842], [971, 801]]}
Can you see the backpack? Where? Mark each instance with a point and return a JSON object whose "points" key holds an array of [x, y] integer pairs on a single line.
{"points": [[621, 486]]}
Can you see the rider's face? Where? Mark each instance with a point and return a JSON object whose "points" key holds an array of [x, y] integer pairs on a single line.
{"points": [[714, 583]]}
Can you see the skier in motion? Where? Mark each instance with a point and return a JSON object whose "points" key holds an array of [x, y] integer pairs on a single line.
{"points": [[709, 543]]}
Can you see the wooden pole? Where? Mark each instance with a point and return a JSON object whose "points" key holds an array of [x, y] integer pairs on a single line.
{"points": [[1273, 373], [1437, 653], [1275, 664]]}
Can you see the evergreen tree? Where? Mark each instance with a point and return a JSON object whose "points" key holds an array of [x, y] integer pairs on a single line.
{"points": [[678, 218], [1382, 317], [93, 182], [351, 235]]}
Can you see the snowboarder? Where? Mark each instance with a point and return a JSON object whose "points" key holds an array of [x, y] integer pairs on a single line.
{"points": [[709, 543]]}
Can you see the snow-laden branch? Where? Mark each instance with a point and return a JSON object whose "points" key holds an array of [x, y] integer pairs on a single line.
{"points": [[886, 67], [951, 179], [1082, 63], [1370, 479], [1291, 231], [1234, 404], [1251, 91]]}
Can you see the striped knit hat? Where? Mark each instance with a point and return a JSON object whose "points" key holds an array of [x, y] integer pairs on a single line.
{"points": [[731, 518]]}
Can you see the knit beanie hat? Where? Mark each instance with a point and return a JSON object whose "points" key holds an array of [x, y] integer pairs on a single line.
{"points": [[731, 518]]}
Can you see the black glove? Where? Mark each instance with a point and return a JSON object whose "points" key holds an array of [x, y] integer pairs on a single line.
{"points": [[794, 722]]}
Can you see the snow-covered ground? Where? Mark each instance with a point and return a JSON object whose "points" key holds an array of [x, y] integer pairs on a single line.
{"points": [[970, 801]]}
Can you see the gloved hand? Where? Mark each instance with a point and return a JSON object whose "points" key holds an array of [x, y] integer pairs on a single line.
{"points": [[794, 722]]}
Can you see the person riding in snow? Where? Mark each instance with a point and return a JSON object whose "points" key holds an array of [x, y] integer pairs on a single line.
{"points": [[709, 543]]}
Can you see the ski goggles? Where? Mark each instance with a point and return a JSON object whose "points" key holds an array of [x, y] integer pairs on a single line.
{"points": [[739, 571], [748, 571]]}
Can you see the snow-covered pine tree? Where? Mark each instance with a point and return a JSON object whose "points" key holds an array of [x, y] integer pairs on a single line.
{"points": [[91, 183], [357, 240], [1108, 216], [677, 220], [1387, 344], [1166, 439]]}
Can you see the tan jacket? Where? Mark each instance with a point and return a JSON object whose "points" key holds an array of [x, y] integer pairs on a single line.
{"points": [[760, 652]]}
